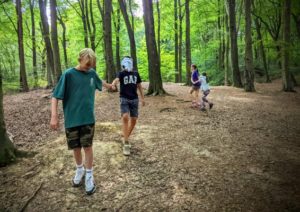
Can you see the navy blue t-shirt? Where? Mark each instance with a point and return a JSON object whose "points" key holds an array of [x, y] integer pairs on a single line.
{"points": [[195, 77], [128, 84]]}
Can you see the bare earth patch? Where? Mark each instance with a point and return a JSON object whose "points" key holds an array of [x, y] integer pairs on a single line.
{"points": [[243, 155]]}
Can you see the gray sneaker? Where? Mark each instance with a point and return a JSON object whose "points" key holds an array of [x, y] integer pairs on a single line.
{"points": [[77, 180], [90, 186], [126, 149]]}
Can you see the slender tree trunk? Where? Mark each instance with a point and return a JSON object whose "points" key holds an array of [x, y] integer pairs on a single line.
{"points": [[188, 62], [46, 36], [262, 48], [33, 39], [158, 29], [7, 149], [180, 43], [155, 84], [176, 41], [55, 46], [84, 22], [117, 28], [93, 32], [227, 47], [286, 75], [64, 39], [130, 33], [91, 29], [110, 67], [234, 48], [23, 77], [219, 60], [249, 75]]}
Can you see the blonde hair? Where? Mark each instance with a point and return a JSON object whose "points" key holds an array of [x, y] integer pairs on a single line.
{"points": [[88, 55]]}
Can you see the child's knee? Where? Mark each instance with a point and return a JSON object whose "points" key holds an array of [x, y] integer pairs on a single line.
{"points": [[125, 116]]}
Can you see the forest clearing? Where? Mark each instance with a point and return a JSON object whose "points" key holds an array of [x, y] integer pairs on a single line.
{"points": [[243, 155]]}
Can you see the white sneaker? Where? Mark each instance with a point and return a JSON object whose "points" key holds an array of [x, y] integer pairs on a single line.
{"points": [[77, 180], [90, 186], [126, 149]]}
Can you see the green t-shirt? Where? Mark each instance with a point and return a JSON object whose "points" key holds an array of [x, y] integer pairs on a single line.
{"points": [[77, 91]]}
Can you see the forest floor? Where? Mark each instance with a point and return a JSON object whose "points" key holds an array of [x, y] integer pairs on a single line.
{"points": [[243, 155]]}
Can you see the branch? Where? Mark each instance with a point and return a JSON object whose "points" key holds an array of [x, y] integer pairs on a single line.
{"points": [[10, 19], [73, 7], [33, 195]]}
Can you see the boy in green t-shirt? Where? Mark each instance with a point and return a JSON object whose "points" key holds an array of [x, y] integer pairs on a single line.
{"points": [[76, 88]]}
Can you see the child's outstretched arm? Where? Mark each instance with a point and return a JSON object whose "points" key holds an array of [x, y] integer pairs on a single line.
{"points": [[107, 85], [114, 83], [140, 88], [54, 123]]}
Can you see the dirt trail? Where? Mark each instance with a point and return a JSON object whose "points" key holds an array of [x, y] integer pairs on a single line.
{"points": [[243, 155]]}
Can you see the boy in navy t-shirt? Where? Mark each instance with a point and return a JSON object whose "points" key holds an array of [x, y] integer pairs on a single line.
{"points": [[130, 82]]}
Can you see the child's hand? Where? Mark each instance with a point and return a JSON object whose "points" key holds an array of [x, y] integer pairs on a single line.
{"points": [[54, 124], [113, 87], [143, 102]]}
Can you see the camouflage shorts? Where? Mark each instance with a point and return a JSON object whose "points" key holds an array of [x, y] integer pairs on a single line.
{"points": [[81, 136]]}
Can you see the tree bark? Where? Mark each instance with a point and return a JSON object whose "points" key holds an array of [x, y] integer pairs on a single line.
{"points": [[7, 149], [262, 48], [158, 29], [180, 42], [234, 48], [249, 75], [117, 24], [227, 47], [33, 39], [188, 62], [130, 33], [155, 84], [54, 38], [110, 67], [286, 75], [46, 36], [64, 39], [23, 77], [84, 22], [177, 77]]}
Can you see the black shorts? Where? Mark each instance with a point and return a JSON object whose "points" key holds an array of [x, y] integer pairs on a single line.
{"points": [[81, 136]]}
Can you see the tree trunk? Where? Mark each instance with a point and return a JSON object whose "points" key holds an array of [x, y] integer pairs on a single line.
{"points": [[33, 39], [23, 77], [262, 48], [84, 22], [286, 75], [249, 75], [188, 62], [90, 24], [46, 36], [55, 46], [117, 28], [7, 149], [130, 33], [155, 84], [158, 30], [110, 67], [176, 41], [180, 43], [64, 40], [227, 48], [234, 48]]}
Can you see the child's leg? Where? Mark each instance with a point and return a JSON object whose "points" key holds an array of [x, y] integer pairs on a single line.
{"points": [[125, 128], [77, 156], [88, 151], [132, 125]]}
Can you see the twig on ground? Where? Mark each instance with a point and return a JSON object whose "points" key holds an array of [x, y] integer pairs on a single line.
{"points": [[33, 195]]}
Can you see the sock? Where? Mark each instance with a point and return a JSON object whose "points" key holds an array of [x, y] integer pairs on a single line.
{"points": [[80, 167], [89, 172]]}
